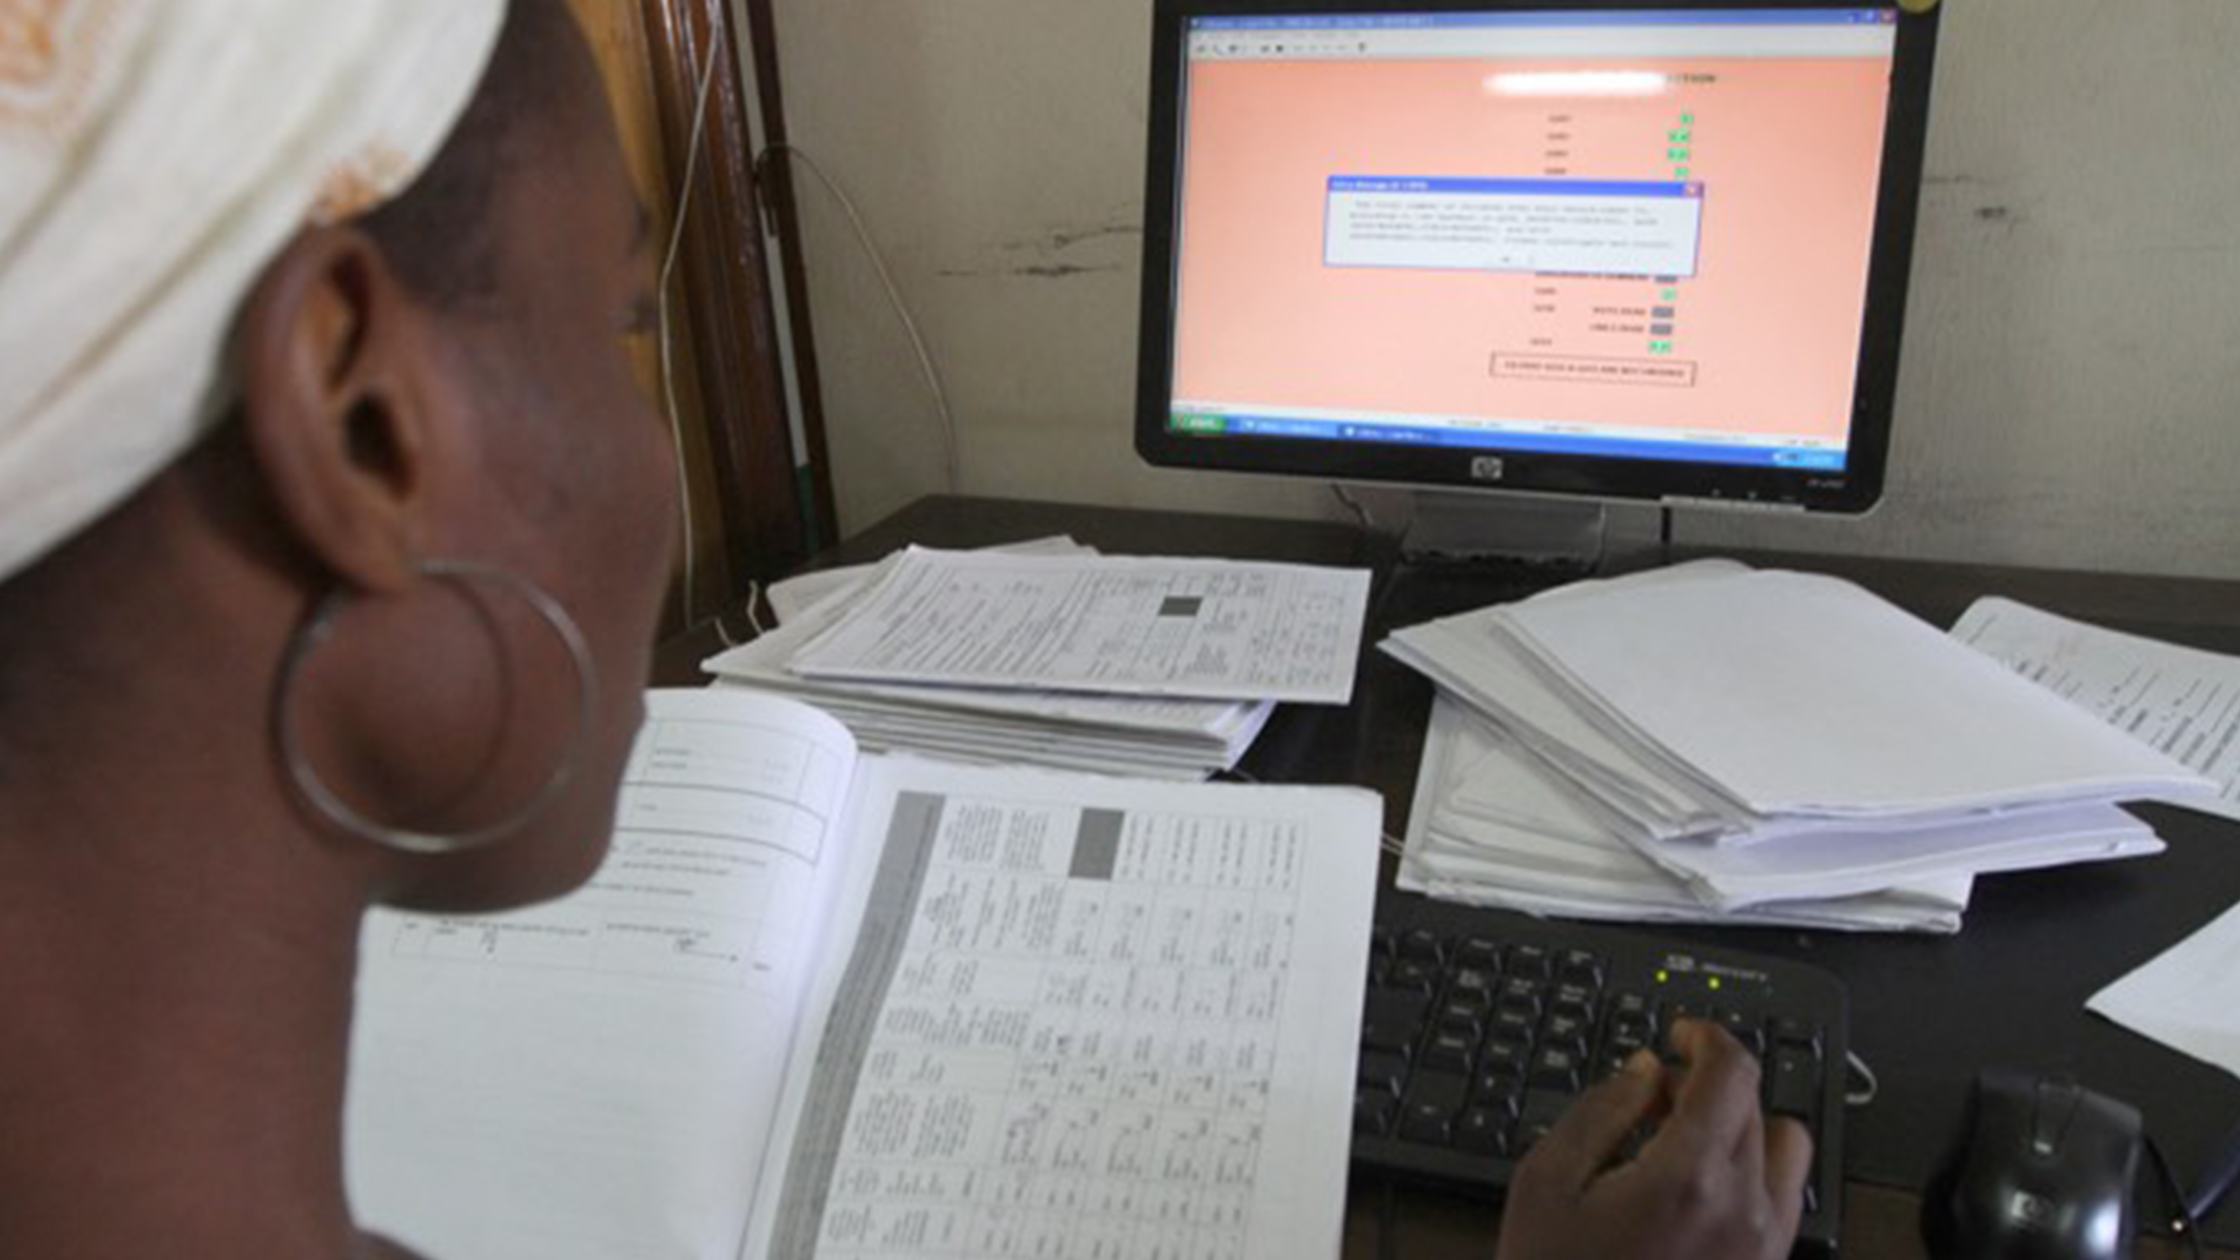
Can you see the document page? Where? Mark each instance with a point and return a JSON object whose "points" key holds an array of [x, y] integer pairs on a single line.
{"points": [[1082, 1018], [795, 596], [2183, 701], [2187, 999], [1211, 629], [597, 1077], [1803, 694]]}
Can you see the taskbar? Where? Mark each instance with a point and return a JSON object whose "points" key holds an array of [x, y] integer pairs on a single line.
{"points": [[1203, 424]]}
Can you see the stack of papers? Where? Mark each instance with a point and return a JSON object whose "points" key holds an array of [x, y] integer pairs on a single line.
{"points": [[1054, 656], [1713, 743], [2182, 700]]}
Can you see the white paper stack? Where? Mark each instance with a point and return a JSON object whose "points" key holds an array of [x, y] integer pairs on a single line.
{"points": [[1712, 743], [1054, 656]]}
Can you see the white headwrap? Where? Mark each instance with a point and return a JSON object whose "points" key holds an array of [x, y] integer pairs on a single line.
{"points": [[154, 156]]}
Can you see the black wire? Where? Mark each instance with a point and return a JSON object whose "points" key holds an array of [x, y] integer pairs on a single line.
{"points": [[2182, 1224]]}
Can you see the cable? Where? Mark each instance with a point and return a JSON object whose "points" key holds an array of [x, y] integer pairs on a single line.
{"points": [[2217, 1176], [2182, 1220], [668, 367], [754, 618], [1868, 1085], [952, 461], [1353, 505]]}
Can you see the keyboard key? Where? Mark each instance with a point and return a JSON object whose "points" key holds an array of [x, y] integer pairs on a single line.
{"points": [[1579, 966], [1478, 952], [1554, 1067], [1422, 945], [1634, 1030], [1630, 1004], [1792, 1084], [1607, 1063], [1509, 1024], [1565, 1032], [1474, 983], [1391, 1018], [1381, 1070], [1743, 1027], [1542, 1108], [1414, 975], [1441, 1091], [1421, 1122], [1483, 1131], [1373, 1112], [1531, 962], [1497, 1090], [1449, 1052], [1519, 993], [1461, 1017], [1575, 1000], [1788, 1030], [1434, 1099], [1508, 1055]]}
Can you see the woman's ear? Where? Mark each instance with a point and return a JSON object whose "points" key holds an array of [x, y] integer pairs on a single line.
{"points": [[335, 389]]}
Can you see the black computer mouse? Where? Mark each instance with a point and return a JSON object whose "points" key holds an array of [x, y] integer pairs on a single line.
{"points": [[2040, 1169]]}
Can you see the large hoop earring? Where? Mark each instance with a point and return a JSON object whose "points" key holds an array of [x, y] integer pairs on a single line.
{"points": [[319, 626]]}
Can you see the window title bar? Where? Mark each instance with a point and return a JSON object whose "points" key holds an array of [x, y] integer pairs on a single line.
{"points": [[1545, 18]]}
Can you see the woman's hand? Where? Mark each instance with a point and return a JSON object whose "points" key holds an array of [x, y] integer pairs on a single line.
{"points": [[1714, 1181]]}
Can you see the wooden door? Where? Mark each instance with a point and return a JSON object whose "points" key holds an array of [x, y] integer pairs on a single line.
{"points": [[758, 488]]}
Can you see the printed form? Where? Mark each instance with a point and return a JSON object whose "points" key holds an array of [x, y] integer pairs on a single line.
{"points": [[822, 1004], [597, 1076], [1105, 1027], [2183, 701], [1211, 629]]}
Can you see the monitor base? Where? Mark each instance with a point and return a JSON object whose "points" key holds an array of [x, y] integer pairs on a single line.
{"points": [[1566, 537]]}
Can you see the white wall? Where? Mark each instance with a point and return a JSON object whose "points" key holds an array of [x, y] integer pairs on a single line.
{"points": [[2071, 388]]}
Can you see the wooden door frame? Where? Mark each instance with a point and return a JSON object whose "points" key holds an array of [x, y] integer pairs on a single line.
{"points": [[775, 498]]}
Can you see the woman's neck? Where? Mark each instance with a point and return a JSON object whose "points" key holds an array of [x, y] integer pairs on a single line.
{"points": [[180, 975]]}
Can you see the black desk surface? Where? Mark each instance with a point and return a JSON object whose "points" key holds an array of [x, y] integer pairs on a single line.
{"points": [[2009, 990]]}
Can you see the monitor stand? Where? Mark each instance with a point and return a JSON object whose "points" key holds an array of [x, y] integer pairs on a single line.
{"points": [[1563, 537]]}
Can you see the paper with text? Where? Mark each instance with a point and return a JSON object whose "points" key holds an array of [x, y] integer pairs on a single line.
{"points": [[1210, 629], [2183, 701], [515, 1081], [1090, 1019], [795, 596]]}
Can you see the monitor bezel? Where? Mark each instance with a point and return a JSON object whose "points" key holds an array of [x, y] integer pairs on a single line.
{"points": [[1853, 491]]}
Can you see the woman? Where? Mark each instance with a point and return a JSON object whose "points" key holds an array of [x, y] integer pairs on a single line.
{"points": [[332, 537], [433, 511]]}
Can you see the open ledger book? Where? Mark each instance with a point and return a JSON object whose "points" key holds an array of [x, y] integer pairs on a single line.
{"points": [[822, 1004]]}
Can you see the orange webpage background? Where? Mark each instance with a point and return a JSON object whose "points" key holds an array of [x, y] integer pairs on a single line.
{"points": [[1788, 155]]}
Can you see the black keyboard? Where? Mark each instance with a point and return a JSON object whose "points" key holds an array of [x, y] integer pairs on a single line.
{"points": [[1481, 1026]]}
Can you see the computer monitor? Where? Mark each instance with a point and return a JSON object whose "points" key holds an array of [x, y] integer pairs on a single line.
{"points": [[1648, 251]]}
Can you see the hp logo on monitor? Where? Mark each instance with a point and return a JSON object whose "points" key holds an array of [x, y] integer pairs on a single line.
{"points": [[1485, 468]]}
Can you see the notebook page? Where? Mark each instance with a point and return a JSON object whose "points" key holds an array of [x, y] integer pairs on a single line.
{"points": [[596, 1077]]}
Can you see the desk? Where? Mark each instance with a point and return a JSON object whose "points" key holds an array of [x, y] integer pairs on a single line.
{"points": [[1926, 1012]]}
